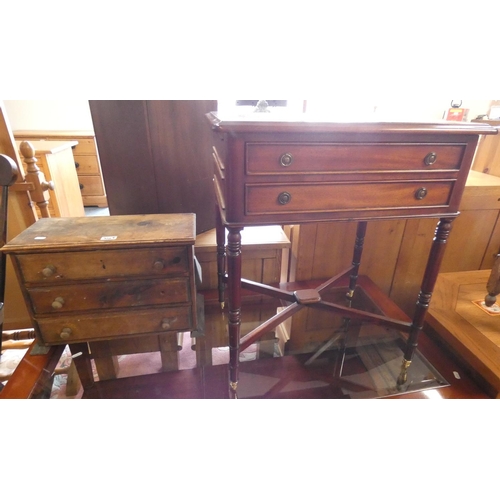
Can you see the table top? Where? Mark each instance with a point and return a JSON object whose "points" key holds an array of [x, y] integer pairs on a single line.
{"points": [[268, 122], [119, 231]]}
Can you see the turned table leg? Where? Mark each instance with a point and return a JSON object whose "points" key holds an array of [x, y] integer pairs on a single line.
{"points": [[356, 259], [493, 285], [234, 296], [424, 297], [220, 235]]}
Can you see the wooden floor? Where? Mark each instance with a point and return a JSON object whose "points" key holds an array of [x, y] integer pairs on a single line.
{"points": [[211, 382], [466, 328], [287, 377], [283, 377]]}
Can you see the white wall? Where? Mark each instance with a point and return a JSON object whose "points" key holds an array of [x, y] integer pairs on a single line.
{"points": [[75, 114], [395, 109], [49, 115]]}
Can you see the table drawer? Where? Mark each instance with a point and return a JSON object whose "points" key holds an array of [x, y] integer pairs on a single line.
{"points": [[326, 197], [86, 165], [89, 327], [98, 296], [95, 265], [90, 185], [283, 158]]}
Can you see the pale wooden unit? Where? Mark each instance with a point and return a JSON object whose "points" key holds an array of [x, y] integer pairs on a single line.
{"points": [[55, 160], [487, 159], [86, 160], [471, 332], [265, 255]]}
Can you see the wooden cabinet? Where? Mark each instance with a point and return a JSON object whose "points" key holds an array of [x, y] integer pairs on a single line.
{"points": [[55, 160], [487, 159], [93, 279], [86, 160], [265, 254], [156, 157]]}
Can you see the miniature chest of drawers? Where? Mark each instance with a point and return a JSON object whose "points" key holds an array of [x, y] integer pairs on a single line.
{"points": [[88, 279]]}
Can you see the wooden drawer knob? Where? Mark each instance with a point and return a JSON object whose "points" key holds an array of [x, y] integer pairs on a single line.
{"points": [[421, 194], [65, 333], [286, 160], [165, 324], [58, 303], [430, 159], [49, 271], [159, 265]]}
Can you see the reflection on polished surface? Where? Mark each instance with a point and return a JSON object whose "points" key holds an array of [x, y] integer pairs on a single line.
{"points": [[331, 358]]}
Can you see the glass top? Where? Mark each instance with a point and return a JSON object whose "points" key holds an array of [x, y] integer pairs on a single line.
{"points": [[328, 358]]}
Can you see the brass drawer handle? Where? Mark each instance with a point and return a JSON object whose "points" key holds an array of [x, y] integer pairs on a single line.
{"points": [[286, 159], [49, 271], [430, 159], [58, 303], [421, 194], [65, 333], [284, 198]]}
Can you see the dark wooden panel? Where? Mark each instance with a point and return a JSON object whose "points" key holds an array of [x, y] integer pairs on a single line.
{"points": [[122, 136], [182, 156], [155, 157]]}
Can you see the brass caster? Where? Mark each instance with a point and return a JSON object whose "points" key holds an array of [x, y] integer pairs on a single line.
{"points": [[403, 376], [233, 386]]}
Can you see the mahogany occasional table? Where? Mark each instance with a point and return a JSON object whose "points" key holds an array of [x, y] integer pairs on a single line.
{"points": [[270, 169]]}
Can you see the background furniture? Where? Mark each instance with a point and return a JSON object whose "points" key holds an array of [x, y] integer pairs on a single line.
{"points": [[55, 160], [86, 160], [487, 158], [270, 171], [468, 330], [102, 279], [155, 157], [24, 196], [265, 259], [8, 175]]}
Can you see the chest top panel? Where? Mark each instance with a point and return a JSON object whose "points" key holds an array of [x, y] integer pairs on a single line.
{"points": [[121, 231]]}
